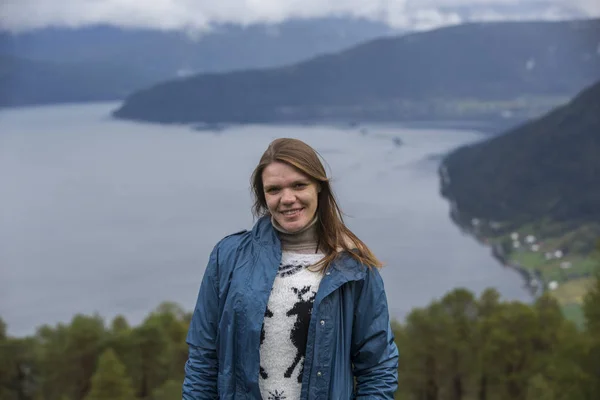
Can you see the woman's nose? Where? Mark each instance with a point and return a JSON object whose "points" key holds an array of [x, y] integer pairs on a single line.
{"points": [[287, 196]]}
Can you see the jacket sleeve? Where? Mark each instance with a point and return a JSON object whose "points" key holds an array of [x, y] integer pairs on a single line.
{"points": [[374, 352], [202, 366]]}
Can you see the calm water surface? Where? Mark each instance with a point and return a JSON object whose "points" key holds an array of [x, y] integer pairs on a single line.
{"points": [[114, 217]]}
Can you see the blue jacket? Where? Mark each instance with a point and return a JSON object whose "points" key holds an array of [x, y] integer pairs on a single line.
{"points": [[349, 334]]}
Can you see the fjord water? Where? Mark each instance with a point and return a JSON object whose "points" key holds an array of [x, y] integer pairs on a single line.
{"points": [[114, 217]]}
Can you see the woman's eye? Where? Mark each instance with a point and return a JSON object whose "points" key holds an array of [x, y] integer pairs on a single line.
{"points": [[300, 185]]}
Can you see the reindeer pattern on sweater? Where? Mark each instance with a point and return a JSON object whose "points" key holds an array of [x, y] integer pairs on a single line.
{"points": [[285, 327]]}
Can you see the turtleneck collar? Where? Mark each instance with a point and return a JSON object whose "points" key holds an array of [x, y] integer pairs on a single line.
{"points": [[302, 241]]}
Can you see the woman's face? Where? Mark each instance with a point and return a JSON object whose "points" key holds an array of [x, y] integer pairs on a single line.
{"points": [[292, 196]]}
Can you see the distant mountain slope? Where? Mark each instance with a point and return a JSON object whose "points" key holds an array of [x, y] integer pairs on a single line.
{"points": [[545, 170], [533, 196], [118, 61], [25, 82], [467, 71], [167, 53]]}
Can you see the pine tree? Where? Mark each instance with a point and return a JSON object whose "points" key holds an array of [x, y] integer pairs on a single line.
{"points": [[457, 353], [3, 329], [119, 324], [591, 305], [488, 304], [420, 370], [591, 308], [147, 359], [510, 351], [84, 344], [110, 380]]}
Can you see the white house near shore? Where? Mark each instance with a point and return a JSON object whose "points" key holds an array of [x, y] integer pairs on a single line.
{"points": [[558, 254], [566, 264], [530, 239]]}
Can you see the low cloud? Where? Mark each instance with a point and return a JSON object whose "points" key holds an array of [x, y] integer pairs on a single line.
{"points": [[199, 15]]}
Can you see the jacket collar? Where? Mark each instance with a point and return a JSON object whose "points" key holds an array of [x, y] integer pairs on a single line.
{"points": [[343, 269]]}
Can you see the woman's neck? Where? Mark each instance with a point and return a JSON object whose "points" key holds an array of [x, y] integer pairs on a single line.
{"points": [[303, 241]]}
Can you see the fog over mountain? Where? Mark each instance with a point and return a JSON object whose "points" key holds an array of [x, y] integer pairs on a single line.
{"points": [[200, 16]]}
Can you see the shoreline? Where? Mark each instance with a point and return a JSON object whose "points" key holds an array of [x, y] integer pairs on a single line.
{"points": [[568, 288], [533, 278], [542, 272]]}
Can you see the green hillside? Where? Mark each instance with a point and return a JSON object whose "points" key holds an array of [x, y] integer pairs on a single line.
{"points": [[533, 194]]}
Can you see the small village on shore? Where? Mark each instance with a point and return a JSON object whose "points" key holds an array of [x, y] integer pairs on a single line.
{"points": [[562, 264]]}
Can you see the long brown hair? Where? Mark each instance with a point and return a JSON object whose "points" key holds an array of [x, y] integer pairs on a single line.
{"points": [[333, 234]]}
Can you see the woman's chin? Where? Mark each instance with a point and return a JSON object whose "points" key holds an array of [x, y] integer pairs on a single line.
{"points": [[293, 226]]}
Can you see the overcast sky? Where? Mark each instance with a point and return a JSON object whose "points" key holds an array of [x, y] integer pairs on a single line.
{"points": [[200, 14]]}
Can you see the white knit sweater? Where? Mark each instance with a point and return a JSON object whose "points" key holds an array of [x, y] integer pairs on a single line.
{"points": [[285, 327]]}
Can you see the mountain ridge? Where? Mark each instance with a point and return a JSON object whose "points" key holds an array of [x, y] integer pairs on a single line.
{"points": [[424, 75], [532, 195], [545, 168], [147, 57]]}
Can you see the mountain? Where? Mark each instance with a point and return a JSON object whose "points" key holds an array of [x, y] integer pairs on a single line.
{"points": [[118, 61], [494, 71], [169, 53], [545, 170], [25, 82], [532, 195]]}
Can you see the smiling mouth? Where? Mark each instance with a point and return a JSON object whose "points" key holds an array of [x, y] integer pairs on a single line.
{"points": [[292, 213]]}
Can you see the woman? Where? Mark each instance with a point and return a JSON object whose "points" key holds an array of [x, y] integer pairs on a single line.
{"points": [[295, 308]]}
